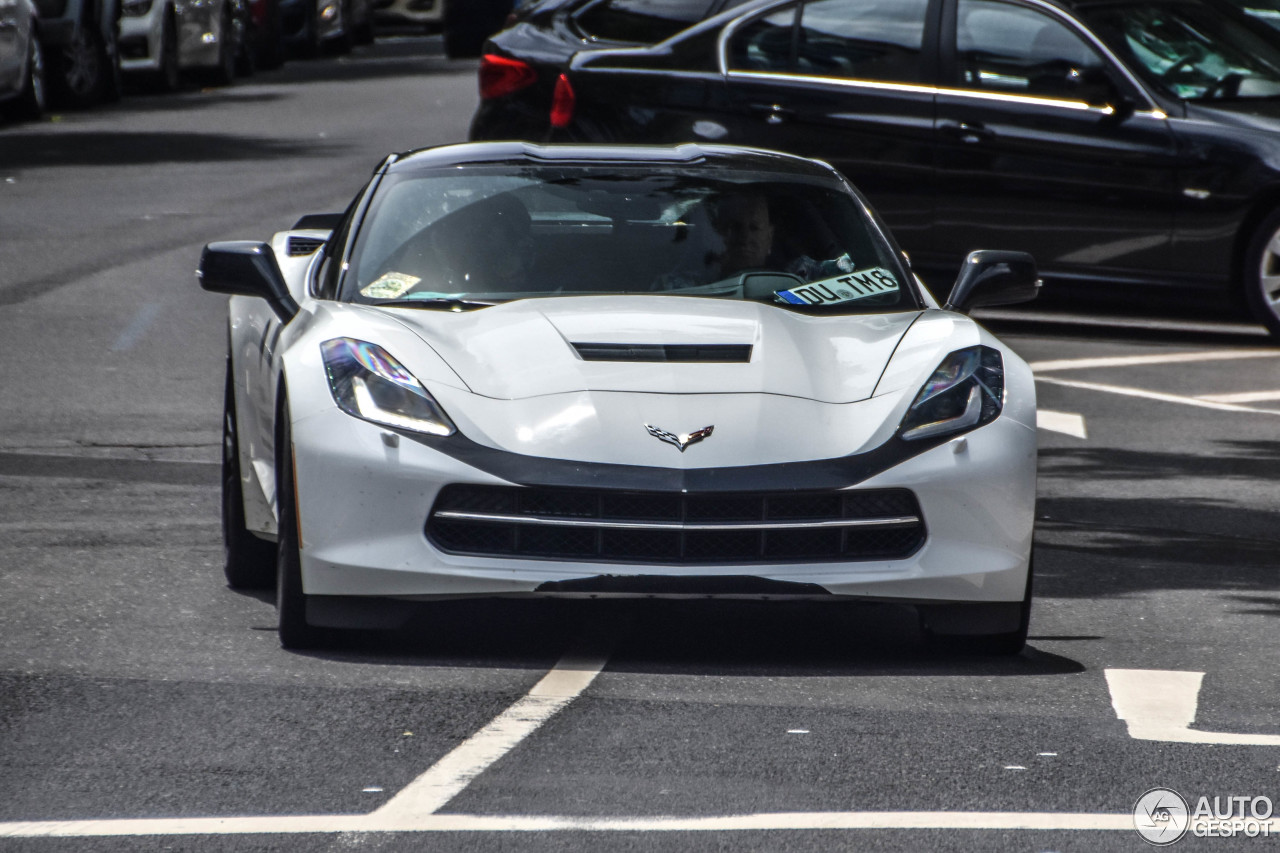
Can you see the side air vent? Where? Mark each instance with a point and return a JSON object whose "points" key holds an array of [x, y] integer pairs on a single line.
{"points": [[299, 246], [715, 353]]}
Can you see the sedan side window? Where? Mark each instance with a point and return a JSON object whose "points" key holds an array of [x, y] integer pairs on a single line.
{"points": [[1008, 48], [849, 39]]}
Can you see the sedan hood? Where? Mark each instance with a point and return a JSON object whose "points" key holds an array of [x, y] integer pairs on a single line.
{"points": [[535, 347]]}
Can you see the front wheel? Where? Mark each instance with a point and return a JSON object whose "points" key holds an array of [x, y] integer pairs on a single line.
{"points": [[978, 628], [291, 601], [250, 562], [1261, 273]]}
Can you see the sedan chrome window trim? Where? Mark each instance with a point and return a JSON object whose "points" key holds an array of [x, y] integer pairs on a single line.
{"points": [[1152, 107], [916, 88], [1081, 30], [596, 523]]}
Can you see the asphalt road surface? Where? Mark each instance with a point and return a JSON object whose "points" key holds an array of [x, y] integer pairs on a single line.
{"points": [[144, 706]]}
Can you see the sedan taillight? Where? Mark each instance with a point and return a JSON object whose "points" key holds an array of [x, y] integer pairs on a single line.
{"points": [[562, 103], [501, 76]]}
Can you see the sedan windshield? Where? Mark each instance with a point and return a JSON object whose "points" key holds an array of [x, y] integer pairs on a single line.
{"points": [[470, 237], [1191, 50]]}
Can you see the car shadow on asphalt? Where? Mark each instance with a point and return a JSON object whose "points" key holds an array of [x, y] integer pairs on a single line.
{"points": [[706, 637], [34, 149]]}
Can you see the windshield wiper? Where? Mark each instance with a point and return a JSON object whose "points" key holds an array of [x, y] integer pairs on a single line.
{"points": [[447, 303]]}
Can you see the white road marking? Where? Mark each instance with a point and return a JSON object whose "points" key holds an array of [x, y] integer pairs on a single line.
{"points": [[1063, 422], [1243, 397], [134, 332], [778, 821], [1164, 358], [1161, 705], [442, 782], [1154, 395], [1045, 317]]}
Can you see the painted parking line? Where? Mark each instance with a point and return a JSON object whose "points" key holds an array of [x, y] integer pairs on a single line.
{"points": [[1066, 423], [1161, 705], [451, 774], [1243, 397], [1154, 395], [1039, 367], [768, 821]]}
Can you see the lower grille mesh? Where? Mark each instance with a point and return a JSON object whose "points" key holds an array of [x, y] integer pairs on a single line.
{"points": [[671, 528]]}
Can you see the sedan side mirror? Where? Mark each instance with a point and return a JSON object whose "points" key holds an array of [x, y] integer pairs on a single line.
{"points": [[991, 277], [245, 268]]}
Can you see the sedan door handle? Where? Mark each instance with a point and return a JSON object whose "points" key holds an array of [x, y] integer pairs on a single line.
{"points": [[970, 133], [773, 113]]}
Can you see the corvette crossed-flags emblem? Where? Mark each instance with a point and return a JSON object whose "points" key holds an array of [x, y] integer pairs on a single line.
{"points": [[680, 441]]}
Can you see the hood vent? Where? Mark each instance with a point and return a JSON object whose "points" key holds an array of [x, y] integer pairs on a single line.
{"points": [[713, 353], [299, 246]]}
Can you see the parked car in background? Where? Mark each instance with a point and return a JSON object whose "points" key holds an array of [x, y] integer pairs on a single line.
{"points": [[22, 69], [426, 15], [161, 39], [1133, 148], [80, 46], [313, 26], [467, 23]]}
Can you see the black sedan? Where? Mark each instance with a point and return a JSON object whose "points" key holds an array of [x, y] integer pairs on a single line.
{"points": [[1124, 144]]}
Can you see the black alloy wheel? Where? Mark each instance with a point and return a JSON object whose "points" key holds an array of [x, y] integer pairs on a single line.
{"points": [[249, 562], [1260, 273], [291, 601], [80, 70]]}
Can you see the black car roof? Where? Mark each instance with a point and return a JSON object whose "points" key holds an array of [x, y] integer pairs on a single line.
{"points": [[488, 153]]}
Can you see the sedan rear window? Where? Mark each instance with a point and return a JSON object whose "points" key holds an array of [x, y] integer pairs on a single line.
{"points": [[472, 237], [642, 21]]}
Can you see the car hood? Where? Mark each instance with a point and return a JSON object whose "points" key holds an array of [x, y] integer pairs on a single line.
{"points": [[526, 348]]}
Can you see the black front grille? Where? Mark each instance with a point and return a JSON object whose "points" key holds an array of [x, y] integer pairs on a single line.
{"points": [[675, 528], [711, 353]]}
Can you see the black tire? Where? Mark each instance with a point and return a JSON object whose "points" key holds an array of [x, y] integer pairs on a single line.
{"points": [[33, 100], [267, 47], [1260, 273], [291, 601], [168, 77], [113, 82], [79, 70], [946, 626], [309, 47], [224, 73], [249, 562]]}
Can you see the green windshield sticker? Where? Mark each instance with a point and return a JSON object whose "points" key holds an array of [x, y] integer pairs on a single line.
{"points": [[858, 284], [390, 286]]}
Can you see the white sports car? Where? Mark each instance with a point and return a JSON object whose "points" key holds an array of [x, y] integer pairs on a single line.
{"points": [[521, 370]]}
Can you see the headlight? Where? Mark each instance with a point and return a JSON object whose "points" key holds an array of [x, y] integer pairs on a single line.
{"points": [[966, 391], [368, 383]]}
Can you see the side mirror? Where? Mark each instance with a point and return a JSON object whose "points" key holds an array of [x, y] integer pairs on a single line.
{"points": [[245, 268], [991, 277]]}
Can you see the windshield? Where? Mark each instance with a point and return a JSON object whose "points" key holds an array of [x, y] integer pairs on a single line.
{"points": [[1191, 50], [474, 236]]}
